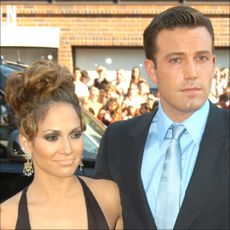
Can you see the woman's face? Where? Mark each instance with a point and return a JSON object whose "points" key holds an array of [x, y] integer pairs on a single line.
{"points": [[57, 146], [136, 73], [112, 106]]}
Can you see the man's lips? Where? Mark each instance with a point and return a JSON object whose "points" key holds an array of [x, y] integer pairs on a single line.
{"points": [[190, 89]]}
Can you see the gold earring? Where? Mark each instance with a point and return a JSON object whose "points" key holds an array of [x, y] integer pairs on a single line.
{"points": [[28, 165]]}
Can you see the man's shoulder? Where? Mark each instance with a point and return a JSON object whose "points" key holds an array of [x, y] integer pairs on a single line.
{"points": [[222, 115], [218, 120], [132, 124]]}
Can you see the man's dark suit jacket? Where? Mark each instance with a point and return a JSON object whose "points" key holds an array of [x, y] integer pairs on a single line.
{"points": [[206, 202]]}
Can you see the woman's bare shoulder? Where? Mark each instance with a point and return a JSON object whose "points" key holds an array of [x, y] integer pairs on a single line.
{"points": [[107, 194], [101, 185], [9, 212], [105, 191]]}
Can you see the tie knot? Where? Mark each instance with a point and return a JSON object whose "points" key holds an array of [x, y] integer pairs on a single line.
{"points": [[177, 131]]}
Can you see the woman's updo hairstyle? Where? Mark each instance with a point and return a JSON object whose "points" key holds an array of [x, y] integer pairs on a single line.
{"points": [[31, 92]]}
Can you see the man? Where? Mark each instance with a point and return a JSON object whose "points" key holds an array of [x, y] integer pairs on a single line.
{"points": [[101, 82], [179, 46], [81, 88]]}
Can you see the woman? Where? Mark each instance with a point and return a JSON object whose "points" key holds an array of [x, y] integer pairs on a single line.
{"points": [[135, 76], [50, 126]]}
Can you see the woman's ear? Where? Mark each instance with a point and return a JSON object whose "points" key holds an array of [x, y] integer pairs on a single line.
{"points": [[150, 69], [25, 144]]}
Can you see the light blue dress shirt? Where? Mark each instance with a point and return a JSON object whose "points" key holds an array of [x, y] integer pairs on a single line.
{"points": [[157, 144]]}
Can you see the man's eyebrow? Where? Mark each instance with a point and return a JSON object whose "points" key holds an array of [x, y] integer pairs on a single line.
{"points": [[204, 52], [182, 53], [173, 54]]}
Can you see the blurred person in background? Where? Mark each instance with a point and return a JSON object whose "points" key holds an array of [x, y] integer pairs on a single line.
{"points": [[110, 112], [224, 100], [223, 79], [135, 75], [144, 108], [84, 77], [129, 112], [81, 88], [121, 83], [50, 127], [102, 98], [92, 101], [220, 84], [152, 101], [101, 82], [111, 91], [144, 90], [172, 165], [133, 98]]}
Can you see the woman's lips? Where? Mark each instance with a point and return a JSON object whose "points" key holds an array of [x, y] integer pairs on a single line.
{"points": [[65, 161]]}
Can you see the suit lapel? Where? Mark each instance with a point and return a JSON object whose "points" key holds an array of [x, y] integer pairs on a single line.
{"points": [[132, 171], [209, 168]]}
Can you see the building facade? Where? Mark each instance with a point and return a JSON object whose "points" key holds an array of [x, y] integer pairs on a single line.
{"points": [[89, 33]]}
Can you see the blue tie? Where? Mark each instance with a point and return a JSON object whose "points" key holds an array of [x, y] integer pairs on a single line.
{"points": [[168, 199]]}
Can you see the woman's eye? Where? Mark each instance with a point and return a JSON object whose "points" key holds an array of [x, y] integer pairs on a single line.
{"points": [[76, 135], [51, 138]]}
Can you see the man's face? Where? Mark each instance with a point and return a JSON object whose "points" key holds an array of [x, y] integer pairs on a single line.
{"points": [[77, 74], [183, 71]]}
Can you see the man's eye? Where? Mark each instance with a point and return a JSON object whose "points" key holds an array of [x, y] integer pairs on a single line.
{"points": [[202, 58], [76, 135], [175, 60], [51, 138]]}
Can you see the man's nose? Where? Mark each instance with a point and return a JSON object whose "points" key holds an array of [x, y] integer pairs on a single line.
{"points": [[190, 70]]}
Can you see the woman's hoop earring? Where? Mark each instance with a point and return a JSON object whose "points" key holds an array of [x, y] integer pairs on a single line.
{"points": [[28, 165]]}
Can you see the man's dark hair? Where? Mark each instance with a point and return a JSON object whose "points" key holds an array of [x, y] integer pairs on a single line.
{"points": [[76, 68], [224, 97], [172, 18], [84, 74]]}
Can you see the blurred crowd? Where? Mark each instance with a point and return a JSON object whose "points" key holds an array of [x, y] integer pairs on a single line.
{"points": [[220, 89], [124, 98]]}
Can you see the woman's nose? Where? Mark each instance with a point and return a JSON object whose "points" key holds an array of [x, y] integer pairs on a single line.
{"points": [[67, 147]]}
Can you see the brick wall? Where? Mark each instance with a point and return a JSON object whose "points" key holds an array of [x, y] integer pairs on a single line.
{"points": [[107, 25]]}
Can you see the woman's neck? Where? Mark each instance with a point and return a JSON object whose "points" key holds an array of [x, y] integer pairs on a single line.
{"points": [[53, 188]]}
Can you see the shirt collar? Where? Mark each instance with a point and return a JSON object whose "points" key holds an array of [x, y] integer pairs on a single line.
{"points": [[163, 123], [194, 125]]}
